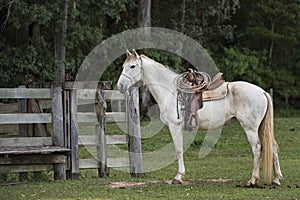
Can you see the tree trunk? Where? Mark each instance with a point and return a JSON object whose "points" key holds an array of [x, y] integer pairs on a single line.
{"points": [[60, 39], [182, 23], [144, 20], [34, 29], [272, 41], [144, 13]]}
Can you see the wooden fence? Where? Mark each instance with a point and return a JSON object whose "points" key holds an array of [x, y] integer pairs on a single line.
{"points": [[97, 139], [69, 133], [23, 154]]}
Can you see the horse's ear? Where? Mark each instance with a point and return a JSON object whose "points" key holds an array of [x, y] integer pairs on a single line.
{"points": [[128, 53], [135, 53]]}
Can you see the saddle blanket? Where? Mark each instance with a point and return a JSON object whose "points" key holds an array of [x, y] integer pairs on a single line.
{"points": [[215, 94]]}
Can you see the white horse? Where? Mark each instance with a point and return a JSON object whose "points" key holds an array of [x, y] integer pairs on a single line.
{"points": [[248, 103]]}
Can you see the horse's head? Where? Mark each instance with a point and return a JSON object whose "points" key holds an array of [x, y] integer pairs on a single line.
{"points": [[132, 71]]}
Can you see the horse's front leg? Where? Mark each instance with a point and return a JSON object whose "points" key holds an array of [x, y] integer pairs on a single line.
{"points": [[176, 132]]}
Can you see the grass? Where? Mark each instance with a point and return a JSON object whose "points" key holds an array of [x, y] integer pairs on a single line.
{"points": [[231, 159]]}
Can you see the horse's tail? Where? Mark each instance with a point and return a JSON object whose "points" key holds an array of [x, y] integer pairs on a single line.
{"points": [[266, 132]]}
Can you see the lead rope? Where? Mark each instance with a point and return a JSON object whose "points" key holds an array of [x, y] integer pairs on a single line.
{"points": [[177, 105], [181, 83]]}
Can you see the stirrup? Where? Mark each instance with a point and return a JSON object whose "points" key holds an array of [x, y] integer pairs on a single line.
{"points": [[193, 116]]}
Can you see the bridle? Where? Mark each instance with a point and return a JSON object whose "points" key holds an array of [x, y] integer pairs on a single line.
{"points": [[137, 83]]}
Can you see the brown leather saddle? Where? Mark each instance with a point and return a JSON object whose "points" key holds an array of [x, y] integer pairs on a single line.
{"points": [[195, 101], [216, 81]]}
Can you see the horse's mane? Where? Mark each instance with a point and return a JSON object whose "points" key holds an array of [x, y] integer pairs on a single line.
{"points": [[167, 68]]}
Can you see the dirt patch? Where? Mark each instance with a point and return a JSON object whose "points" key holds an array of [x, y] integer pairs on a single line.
{"points": [[266, 186], [127, 184]]}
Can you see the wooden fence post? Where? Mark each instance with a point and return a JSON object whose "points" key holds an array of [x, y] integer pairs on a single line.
{"points": [[23, 128], [58, 127], [103, 171], [73, 134], [134, 133]]}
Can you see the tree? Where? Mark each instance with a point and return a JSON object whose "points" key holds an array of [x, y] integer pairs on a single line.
{"points": [[24, 45], [273, 26], [60, 40], [242, 64], [144, 20], [32, 35], [144, 13]]}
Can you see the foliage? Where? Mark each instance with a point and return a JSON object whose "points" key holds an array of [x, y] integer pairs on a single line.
{"points": [[273, 26], [239, 64], [252, 42], [28, 29]]}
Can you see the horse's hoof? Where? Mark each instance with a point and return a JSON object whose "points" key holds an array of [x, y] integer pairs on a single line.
{"points": [[275, 184], [250, 185], [176, 182]]}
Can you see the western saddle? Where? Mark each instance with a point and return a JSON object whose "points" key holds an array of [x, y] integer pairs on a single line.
{"points": [[194, 101]]}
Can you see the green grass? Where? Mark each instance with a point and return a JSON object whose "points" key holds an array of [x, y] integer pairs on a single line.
{"points": [[230, 159]]}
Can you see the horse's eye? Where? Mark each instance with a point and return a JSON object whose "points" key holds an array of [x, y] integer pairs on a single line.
{"points": [[132, 66]]}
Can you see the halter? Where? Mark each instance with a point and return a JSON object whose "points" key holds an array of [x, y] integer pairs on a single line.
{"points": [[137, 83]]}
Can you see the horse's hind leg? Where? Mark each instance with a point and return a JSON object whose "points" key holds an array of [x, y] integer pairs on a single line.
{"points": [[277, 171]]}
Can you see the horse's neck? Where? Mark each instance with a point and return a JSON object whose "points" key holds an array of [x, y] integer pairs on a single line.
{"points": [[158, 79]]}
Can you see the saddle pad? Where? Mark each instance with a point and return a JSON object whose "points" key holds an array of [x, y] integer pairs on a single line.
{"points": [[215, 94]]}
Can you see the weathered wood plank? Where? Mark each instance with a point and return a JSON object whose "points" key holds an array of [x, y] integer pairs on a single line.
{"points": [[58, 127], [23, 108], [60, 171], [93, 101], [85, 101], [90, 140], [118, 162], [9, 129], [111, 162], [74, 134], [32, 159], [114, 95], [87, 94], [87, 140], [115, 117], [90, 117], [89, 164], [4, 169], [88, 84], [25, 93], [32, 150], [134, 133], [26, 141], [116, 139], [9, 108], [57, 116], [25, 118]]}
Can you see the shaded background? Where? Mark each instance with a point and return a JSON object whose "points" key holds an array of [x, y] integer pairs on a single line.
{"points": [[255, 42]]}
